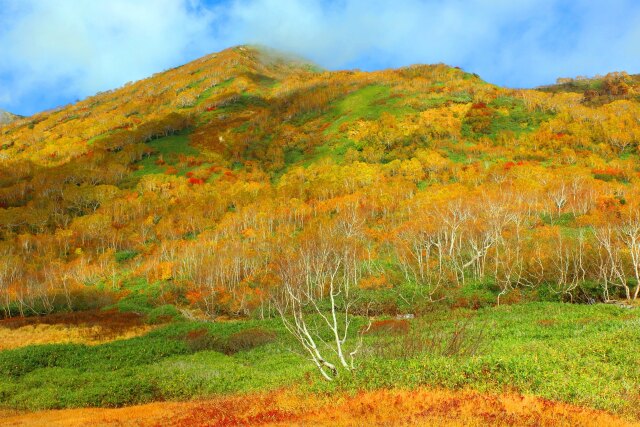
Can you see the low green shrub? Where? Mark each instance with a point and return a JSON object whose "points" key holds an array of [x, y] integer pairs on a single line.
{"points": [[581, 354], [134, 303], [126, 255], [163, 314], [106, 357]]}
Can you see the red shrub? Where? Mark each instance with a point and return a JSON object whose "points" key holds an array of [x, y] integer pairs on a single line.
{"points": [[388, 326], [201, 339], [196, 181], [609, 173], [249, 339], [473, 302]]}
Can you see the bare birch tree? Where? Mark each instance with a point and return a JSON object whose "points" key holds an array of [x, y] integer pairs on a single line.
{"points": [[318, 271]]}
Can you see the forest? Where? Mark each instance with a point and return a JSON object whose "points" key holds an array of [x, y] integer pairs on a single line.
{"points": [[413, 227]]}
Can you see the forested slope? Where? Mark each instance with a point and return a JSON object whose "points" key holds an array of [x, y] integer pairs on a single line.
{"points": [[211, 185]]}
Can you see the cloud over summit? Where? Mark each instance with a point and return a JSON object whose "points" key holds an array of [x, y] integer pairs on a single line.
{"points": [[56, 51]]}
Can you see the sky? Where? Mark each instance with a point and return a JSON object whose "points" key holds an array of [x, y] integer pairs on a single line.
{"points": [[54, 52]]}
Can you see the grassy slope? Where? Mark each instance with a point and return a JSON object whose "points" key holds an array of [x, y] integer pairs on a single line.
{"points": [[367, 103], [577, 354], [157, 366], [169, 149]]}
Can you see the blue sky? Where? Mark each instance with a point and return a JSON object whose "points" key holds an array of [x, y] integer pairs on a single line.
{"points": [[57, 51]]}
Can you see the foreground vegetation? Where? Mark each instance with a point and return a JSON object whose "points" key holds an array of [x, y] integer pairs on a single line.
{"points": [[572, 353]]}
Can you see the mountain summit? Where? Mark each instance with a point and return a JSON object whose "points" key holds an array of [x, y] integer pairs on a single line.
{"points": [[6, 117], [221, 90]]}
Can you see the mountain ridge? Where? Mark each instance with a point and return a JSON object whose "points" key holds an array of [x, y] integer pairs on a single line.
{"points": [[191, 88], [7, 117]]}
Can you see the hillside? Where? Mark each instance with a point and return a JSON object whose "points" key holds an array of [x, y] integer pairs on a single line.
{"points": [[136, 183], [420, 219]]}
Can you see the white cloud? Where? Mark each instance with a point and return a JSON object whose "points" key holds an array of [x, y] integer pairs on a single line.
{"points": [[78, 47], [518, 43], [54, 50]]}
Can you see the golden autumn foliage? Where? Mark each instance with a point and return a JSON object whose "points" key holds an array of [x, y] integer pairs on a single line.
{"points": [[379, 408], [199, 176]]}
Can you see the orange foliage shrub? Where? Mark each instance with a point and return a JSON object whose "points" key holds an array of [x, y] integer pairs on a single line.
{"points": [[377, 408], [479, 117], [92, 326], [374, 282], [473, 302], [609, 173]]}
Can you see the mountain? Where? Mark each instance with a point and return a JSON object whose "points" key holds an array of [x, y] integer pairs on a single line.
{"points": [[209, 184], [404, 230], [6, 117]]}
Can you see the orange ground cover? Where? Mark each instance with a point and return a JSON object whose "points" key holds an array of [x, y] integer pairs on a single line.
{"points": [[379, 408]]}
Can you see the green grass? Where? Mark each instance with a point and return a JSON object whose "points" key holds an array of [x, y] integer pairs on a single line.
{"points": [[574, 353], [566, 219], [93, 140], [206, 94], [367, 103], [510, 115], [582, 354], [147, 298], [169, 148], [157, 366], [518, 120], [125, 255]]}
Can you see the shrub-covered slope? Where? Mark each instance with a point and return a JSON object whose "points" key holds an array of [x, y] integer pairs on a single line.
{"points": [[209, 185]]}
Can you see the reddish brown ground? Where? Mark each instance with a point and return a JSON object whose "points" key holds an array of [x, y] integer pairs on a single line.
{"points": [[88, 327], [380, 408]]}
